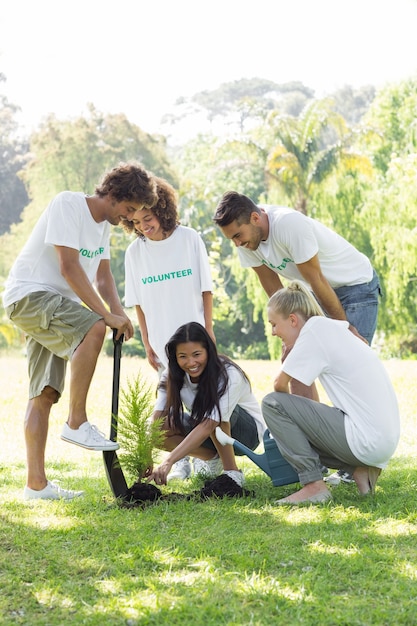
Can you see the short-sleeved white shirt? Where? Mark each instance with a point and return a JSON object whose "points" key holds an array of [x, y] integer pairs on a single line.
{"points": [[67, 221], [167, 279], [238, 392], [355, 381], [295, 238]]}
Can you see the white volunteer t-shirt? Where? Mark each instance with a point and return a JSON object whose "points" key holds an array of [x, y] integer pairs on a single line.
{"points": [[167, 279], [238, 392], [355, 381], [67, 221], [295, 238]]}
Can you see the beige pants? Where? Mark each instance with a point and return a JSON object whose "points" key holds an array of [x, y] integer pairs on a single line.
{"points": [[54, 327]]}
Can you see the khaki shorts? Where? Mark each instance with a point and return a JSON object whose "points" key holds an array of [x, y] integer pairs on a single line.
{"points": [[54, 327]]}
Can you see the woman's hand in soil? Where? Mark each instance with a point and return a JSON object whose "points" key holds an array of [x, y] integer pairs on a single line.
{"points": [[159, 475], [147, 472]]}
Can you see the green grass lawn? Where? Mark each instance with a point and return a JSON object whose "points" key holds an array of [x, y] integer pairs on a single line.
{"points": [[352, 561]]}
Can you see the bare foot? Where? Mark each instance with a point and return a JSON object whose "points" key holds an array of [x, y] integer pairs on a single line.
{"points": [[312, 492], [365, 478]]}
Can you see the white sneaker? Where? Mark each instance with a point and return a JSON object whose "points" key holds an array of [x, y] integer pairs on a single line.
{"points": [[332, 479], [339, 477], [181, 470], [208, 469], [88, 436], [50, 492], [236, 475]]}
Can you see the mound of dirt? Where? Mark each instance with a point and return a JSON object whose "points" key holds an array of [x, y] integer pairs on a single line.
{"points": [[221, 487], [141, 493]]}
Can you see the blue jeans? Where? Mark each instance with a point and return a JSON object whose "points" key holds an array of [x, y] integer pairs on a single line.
{"points": [[360, 303]]}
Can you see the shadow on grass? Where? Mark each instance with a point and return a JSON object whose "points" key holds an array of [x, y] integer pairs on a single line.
{"points": [[220, 561]]}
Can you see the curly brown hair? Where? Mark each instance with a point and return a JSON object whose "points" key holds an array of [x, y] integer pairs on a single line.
{"points": [[165, 209], [129, 181]]}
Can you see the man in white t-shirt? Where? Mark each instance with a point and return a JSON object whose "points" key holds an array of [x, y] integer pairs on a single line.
{"points": [[49, 295], [278, 241]]}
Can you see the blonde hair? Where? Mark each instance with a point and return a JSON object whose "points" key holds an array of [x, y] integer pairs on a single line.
{"points": [[295, 298]]}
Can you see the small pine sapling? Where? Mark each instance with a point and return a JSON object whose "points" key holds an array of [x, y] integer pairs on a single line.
{"points": [[138, 435]]}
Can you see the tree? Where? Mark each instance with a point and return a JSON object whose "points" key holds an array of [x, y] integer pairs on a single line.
{"points": [[353, 103], [393, 116], [339, 203], [207, 167], [13, 195], [74, 154], [307, 149], [390, 210], [392, 221], [240, 104], [248, 99]]}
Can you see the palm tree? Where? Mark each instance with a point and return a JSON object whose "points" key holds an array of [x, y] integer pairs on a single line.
{"points": [[309, 148]]}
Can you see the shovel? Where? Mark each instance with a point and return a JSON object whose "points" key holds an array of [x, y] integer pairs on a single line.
{"points": [[271, 461], [114, 471]]}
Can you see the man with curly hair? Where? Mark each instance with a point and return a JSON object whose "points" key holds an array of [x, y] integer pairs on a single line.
{"points": [[49, 295]]}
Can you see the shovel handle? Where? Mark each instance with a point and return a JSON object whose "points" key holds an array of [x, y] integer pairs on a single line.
{"points": [[117, 354]]}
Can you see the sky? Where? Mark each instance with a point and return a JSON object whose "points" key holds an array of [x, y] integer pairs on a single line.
{"points": [[139, 56]]}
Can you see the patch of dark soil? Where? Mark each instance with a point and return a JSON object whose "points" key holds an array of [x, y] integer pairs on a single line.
{"points": [[141, 493], [221, 487]]}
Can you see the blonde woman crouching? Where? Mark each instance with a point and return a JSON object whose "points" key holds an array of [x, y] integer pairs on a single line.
{"points": [[360, 432]]}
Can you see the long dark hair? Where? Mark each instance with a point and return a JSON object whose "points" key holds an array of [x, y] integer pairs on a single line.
{"points": [[212, 384]]}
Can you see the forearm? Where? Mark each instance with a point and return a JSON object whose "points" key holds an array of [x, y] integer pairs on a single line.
{"points": [[208, 311], [269, 279], [325, 294], [78, 280], [106, 287], [142, 327], [329, 301], [108, 292], [153, 358], [282, 382], [333, 307]]}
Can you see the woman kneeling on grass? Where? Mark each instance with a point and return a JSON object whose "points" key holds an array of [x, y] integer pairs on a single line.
{"points": [[215, 391], [360, 432]]}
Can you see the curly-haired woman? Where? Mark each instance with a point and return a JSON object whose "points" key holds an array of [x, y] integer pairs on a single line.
{"points": [[168, 280]]}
